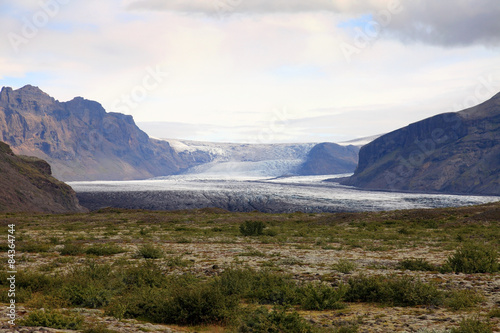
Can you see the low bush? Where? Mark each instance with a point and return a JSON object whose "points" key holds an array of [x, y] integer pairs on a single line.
{"points": [[87, 295], [473, 325], [91, 285], [200, 304], [268, 287], [345, 266], [275, 321], [495, 313], [33, 247], [53, 319], [264, 287], [149, 251], [148, 274], [417, 265], [319, 297], [394, 290], [474, 258], [192, 304], [252, 228], [71, 249], [104, 250], [463, 299]]}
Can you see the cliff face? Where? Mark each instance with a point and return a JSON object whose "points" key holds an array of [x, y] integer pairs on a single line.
{"points": [[448, 153], [27, 186], [80, 140], [329, 159]]}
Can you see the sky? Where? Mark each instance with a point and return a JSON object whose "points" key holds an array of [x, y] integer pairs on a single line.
{"points": [[258, 71]]}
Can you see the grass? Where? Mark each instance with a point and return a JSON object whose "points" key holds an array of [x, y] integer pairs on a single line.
{"points": [[198, 267]]}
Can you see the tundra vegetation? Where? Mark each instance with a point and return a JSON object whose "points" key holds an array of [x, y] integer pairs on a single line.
{"points": [[210, 270]]}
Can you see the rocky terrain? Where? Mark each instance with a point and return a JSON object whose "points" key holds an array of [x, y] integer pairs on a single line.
{"points": [[27, 186], [79, 139], [448, 153], [329, 159], [62, 259]]}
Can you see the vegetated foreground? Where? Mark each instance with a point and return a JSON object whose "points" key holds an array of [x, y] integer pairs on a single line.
{"points": [[213, 271]]}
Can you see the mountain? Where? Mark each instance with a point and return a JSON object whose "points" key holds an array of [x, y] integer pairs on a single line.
{"points": [[265, 160], [27, 186], [330, 158], [456, 152], [80, 140]]}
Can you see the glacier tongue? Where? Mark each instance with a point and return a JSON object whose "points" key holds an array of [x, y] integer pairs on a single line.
{"points": [[268, 168], [233, 159]]}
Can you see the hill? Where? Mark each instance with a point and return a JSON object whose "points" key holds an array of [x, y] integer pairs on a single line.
{"points": [[456, 152], [27, 186], [79, 139]]}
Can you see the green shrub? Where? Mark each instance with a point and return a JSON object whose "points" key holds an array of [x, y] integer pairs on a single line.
{"points": [[463, 299], [87, 295], [264, 287], [200, 304], [149, 251], [71, 249], [36, 282], [91, 285], [144, 303], [417, 265], [345, 266], [474, 258], [33, 247], [473, 325], [178, 262], [236, 281], [252, 228], [53, 319], [193, 304], [275, 321], [319, 297], [148, 274], [495, 313], [268, 287], [104, 250], [394, 290]]}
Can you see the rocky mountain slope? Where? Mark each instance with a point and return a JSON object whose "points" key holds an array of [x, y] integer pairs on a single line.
{"points": [[27, 186], [449, 153], [79, 139], [329, 159]]}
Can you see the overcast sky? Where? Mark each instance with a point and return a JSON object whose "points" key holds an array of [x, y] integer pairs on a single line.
{"points": [[257, 70]]}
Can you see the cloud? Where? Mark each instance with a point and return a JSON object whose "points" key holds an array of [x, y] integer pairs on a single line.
{"points": [[448, 22], [255, 6], [445, 23]]}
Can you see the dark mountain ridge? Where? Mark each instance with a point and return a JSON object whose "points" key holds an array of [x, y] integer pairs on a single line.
{"points": [[80, 139], [27, 186], [456, 152]]}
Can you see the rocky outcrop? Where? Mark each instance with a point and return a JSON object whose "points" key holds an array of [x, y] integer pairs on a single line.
{"points": [[449, 153], [330, 158], [27, 186], [80, 140]]}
